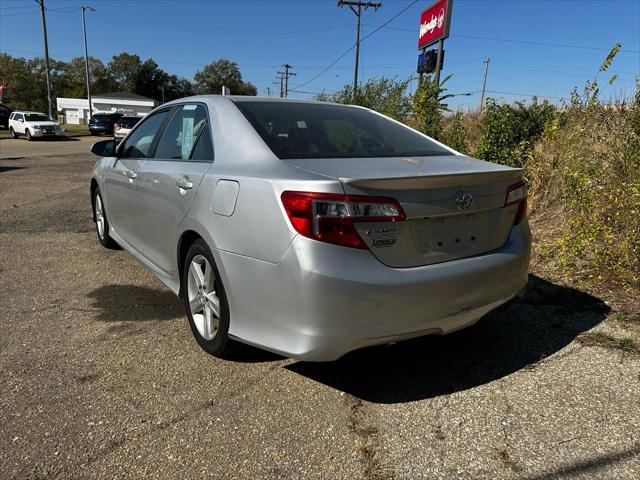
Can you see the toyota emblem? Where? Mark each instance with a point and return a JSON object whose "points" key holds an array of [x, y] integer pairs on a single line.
{"points": [[464, 200]]}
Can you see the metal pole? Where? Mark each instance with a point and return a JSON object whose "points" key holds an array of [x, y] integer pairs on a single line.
{"points": [[357, 12], [484, 82], [439, 61], [46, 56], [355, 71], [86, 58]]}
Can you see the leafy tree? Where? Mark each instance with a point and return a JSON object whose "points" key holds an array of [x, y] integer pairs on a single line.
{"points": [[455, 134], [221, 73], [508, 131], [177, 87], [124, 70], [428, 107], [75, 80], [385, 95]]}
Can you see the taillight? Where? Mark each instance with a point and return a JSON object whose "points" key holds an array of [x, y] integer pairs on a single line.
{"points": [[117, 126], [517, 193], [330, 217]]}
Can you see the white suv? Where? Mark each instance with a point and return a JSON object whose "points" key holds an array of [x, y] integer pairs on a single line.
{"points": [[33, 124]]}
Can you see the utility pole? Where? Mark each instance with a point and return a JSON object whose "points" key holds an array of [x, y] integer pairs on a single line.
{"points": [[484, 82], [285, 75], [280, 78], [86, 58], [439, 61], [46, 55], [358, 12]]}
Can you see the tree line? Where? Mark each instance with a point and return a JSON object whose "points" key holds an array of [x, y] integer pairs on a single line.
{"points": [[123, 73]]}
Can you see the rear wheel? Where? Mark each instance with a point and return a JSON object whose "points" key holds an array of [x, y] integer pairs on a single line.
{"points": [[102, 224], [13, 132], [28, 135], [205, 300]]}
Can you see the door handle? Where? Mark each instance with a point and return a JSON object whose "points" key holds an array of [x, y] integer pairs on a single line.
{"points": [[184, 183], [129, 174]]}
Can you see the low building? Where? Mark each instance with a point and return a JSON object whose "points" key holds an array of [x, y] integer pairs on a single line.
{"points": [[76, 110]]}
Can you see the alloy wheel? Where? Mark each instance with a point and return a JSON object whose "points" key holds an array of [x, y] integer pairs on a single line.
{"points": [[99, 217], [204, 302]]}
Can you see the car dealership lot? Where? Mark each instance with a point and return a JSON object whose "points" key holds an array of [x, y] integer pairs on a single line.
{"points": [[101, 377]]}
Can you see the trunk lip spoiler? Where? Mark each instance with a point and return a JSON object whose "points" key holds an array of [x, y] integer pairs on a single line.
{"points": [[435, 180]]}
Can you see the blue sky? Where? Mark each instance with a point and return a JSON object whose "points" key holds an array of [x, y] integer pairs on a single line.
{"points": [[261, 35]]}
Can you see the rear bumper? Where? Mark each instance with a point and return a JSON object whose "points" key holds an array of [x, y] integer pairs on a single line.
{"points": [[322, 301], [99, 129]]}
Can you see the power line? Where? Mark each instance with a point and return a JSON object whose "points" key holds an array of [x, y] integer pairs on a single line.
{"points": [[362, 40], [358, 13], [511, 40]]}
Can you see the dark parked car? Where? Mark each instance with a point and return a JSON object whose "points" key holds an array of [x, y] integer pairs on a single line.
{"points": [[103, 123], [4, 115]]}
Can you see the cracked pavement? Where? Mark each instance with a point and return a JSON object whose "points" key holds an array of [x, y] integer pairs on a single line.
{"points": [[101, 377]]}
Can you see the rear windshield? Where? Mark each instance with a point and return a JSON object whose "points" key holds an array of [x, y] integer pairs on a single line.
{"points": [[128, 122], [103, 118], [36, 117], [315, 130]]}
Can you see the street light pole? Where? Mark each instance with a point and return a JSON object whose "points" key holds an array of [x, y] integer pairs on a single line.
{"points": [[86, 57]]}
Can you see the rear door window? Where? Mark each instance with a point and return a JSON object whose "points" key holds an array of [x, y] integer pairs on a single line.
{"points": [[203, 151], [180, 135]]}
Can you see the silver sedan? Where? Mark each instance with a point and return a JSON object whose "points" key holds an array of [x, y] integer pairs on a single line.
{"points": [[310, 229]]}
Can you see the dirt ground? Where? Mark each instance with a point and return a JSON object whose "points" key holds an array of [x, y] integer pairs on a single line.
{"points": [[101, 377]]}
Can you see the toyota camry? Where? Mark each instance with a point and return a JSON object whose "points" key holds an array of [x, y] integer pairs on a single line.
{"points": [[310, 229]]}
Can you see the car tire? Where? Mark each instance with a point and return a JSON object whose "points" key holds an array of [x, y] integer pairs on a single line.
{"points": [[27, 134], [205, 301], [102, 224], [13, 132]]}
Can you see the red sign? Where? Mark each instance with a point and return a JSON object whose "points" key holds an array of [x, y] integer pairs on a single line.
{"points": [[434, 23]]}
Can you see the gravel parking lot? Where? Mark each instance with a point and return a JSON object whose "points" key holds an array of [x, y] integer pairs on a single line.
{"points": [[101, 377]]}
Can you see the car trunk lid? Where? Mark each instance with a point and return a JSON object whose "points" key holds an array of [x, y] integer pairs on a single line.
{"points": [[455, 205]]}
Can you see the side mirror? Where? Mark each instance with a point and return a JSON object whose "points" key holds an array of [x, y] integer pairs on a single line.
{"points": [[21, 121], [105, 148]]}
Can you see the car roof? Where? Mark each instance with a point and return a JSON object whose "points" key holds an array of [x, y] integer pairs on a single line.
{"points": [[29, 111]]}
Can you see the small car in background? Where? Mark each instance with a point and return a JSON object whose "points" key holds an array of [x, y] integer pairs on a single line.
{"points": [[33, 125], [123, 126], [5, 112], [103, 123]]}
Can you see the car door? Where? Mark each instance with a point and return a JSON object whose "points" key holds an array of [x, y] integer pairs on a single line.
{"points": [[18, 124], [121, 181], [168, 182]]}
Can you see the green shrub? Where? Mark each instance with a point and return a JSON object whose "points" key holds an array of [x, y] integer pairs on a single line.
{"points": [[509, 131]]}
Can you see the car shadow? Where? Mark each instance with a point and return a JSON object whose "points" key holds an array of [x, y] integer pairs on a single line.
{"points": [[132, 303], [546, 318], [7, 168]]}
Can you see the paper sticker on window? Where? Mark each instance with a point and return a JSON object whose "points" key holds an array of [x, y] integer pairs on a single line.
{"points": [[189, 107], [187, 137]]}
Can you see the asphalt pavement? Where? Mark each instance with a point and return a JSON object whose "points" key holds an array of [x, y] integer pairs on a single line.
{"points": [[101, 377], [21, 148]]}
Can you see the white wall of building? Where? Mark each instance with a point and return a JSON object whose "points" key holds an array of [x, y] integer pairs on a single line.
{"points": [[76, 110]]}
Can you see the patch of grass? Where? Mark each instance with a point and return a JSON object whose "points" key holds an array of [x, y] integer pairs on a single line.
{"points": [[75, 129], [373, 466], [507, 462], [598, 339]]}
